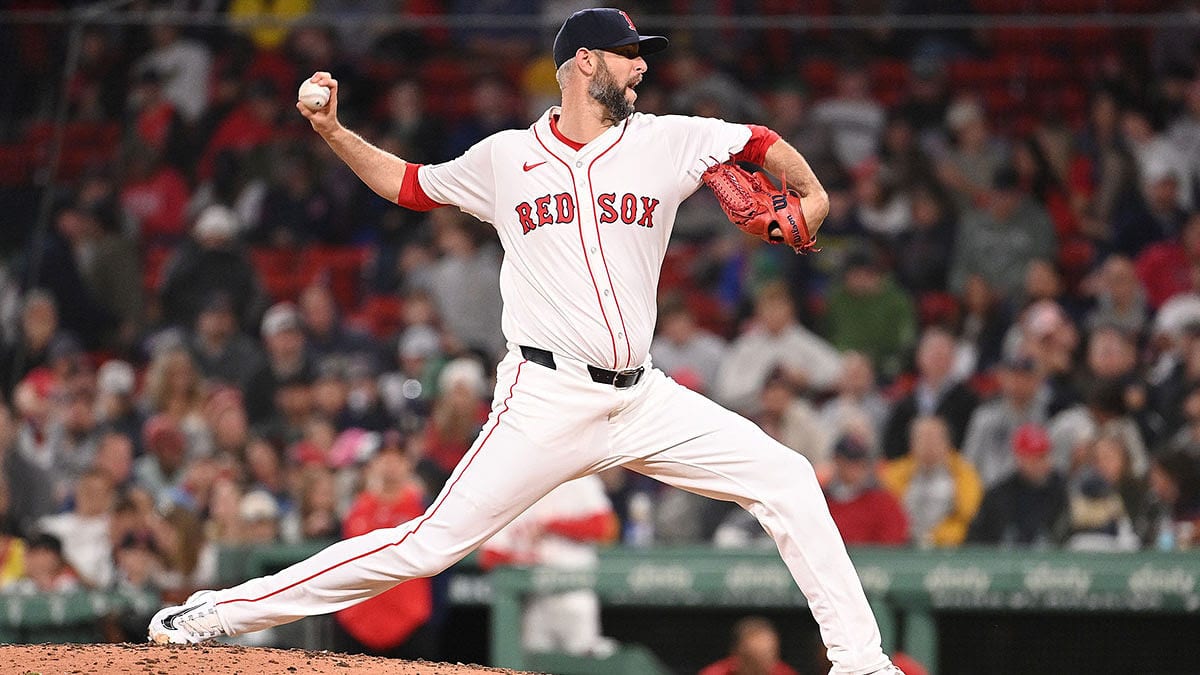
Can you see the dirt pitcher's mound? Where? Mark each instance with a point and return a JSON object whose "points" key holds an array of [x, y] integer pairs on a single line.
{"points": [[137, 659]]}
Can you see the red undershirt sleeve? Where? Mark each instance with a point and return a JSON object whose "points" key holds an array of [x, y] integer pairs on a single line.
{"points": [[411, 195], [755, 150]]}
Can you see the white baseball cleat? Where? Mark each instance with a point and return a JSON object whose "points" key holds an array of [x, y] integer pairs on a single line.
{"points": [[890, 670], [193, 621]]}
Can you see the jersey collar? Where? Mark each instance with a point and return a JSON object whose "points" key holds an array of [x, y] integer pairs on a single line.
{"points": [[549, 133]]}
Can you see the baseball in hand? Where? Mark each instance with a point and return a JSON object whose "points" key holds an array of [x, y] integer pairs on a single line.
{"points": [[313, 95]]}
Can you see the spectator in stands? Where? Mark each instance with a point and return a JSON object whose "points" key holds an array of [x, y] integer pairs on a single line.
{"points": [[326, 332], [407, 120], [775, 340], [84, 529], [864, 512], [883, 203], [173, 387], [939, 489], [1107, 503], [981, 326], [561, 531], [1151, 214], [855, 120], [114, 458], [790, 115], [222, 353], [975, 155], [1175, 486], [364, 401], [109, 266], [50, 262], [1045, 333], [393, 623], [39, 328], [858, 408], [211, 260], [153, 197], [998, 242], [841, 234], [225, 415], [1029, 507], [1120, 301], [699, 85], [1184, 136], [46, 571], [868, 313], [491, 111], [29, 485], [1105, 412], [315, 517], [1167, 268], [259, 513], [922, 252], [458, 414], [73, 433], [184, 64], [793, 421], [465, 283], [1023, 400], [408, 391], [116, 402], [683, 350], [287, 360], [296, 210], [927, 98], [294, 408], [1104, 167], [935, 392], [248, 128], [164, 463], [755, 649]]}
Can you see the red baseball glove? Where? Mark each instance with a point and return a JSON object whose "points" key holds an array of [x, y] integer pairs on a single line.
{"points": [[755, 206]]}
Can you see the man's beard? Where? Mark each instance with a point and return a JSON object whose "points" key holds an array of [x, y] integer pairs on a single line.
{"points": [[608, 93]]}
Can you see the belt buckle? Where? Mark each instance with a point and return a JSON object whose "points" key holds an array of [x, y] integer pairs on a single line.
{"points": [[624, 379]]}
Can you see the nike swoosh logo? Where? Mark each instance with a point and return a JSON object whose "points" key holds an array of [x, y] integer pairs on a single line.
{"points": [[168, 621], [530, 167]]}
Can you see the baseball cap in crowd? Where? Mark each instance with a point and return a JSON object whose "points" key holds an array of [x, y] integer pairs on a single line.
{"points": [[418, 342], [216, 222], [849, 447], [1030, 440], [280, 317], [116, 377], [601, 28], [258, 505]]}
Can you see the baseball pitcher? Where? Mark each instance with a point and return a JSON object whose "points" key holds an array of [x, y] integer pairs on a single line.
{"points": [[583, 201]]}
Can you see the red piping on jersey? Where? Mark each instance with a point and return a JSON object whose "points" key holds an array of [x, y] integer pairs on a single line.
{"points": [[755, 149], [412, 195], [427, 516], [596, 220], [574, 145], [583, 245]]}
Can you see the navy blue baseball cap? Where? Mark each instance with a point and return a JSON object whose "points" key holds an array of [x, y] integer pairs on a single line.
{"points": [[601, 28]]}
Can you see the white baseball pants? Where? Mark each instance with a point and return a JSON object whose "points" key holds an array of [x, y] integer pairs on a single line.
{"points": [[549, 426]]}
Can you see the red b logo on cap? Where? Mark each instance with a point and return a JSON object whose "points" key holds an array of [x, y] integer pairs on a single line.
{"points": [[628, 20]]}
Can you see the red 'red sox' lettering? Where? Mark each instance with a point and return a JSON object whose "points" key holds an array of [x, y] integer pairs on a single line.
{"points": [[631, 209]]}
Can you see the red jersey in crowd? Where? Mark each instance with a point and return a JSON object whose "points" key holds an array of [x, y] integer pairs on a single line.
{"points": [[386, 621]]}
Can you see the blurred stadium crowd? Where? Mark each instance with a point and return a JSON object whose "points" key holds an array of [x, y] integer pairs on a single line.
{"points": [[222, 338]]}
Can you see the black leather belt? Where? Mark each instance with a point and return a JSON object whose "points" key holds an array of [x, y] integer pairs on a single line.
{"points": [[620, 379]]}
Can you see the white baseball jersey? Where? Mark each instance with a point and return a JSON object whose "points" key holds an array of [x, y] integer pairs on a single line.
{"points": [[567, 621], [526, 541], [584, 232]]}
